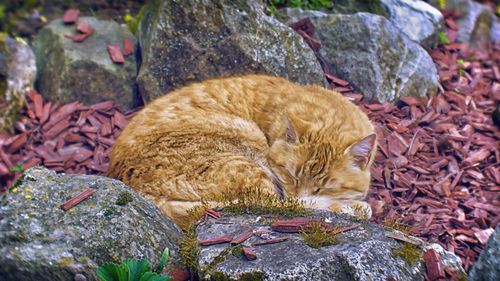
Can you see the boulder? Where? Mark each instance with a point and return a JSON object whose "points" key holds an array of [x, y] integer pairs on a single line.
{"points": [[362, 253], [477, 25], [83, 71], [193, 40], [40, 241], [418, 20], [17, 74], [486, 266], [368, 51]]}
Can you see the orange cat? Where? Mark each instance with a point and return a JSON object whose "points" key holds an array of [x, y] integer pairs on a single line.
{"points": [[223, 135]]}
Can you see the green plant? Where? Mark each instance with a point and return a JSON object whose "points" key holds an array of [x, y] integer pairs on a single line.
{"points": [[274, 5], [255, 201], [251, 201], [460, 63], [442, 4], [396, 224], [134, 270], [124, 198], [443, 38], [18, 168], [409, 252], [320, 234], [133, 22], [189, 250]]}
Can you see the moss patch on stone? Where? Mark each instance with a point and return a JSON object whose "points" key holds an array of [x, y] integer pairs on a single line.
{"points": [[123, 198], [409, 252]]}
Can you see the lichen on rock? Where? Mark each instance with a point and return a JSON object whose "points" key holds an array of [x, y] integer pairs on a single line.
{"points": [[83, 71], [40, 241], [191, 40], [17, 74]]}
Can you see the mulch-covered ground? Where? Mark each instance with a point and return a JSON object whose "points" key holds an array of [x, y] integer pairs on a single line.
{"points": [[437, 168]]}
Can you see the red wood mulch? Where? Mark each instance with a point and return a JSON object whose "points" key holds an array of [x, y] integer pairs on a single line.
{"points": [[438, 166]]}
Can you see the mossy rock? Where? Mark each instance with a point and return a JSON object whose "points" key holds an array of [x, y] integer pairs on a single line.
{"points": [[17, 74], [193, 40], [83, 71], [40, 241]]}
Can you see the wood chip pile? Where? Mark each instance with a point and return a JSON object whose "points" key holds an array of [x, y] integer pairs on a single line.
{"points": [[437, 168], [70, 138]]}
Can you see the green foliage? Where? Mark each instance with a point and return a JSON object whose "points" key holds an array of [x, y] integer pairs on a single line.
{"points": [[18, 168], [133, 22], [442, 4], [133, 270], [123, 198], [318, 235], [443, 38], [255, 201], [189, 250], [163, 261], [396, 224], [12, 11], [409, 252], [274, 5], [109, 210], [251, 201]]}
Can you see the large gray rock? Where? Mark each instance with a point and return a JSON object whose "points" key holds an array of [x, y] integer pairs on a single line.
{"points": [[40, 241], [487, 265], [364, 253], [84, 71], [368, 51], [183, 41], [17, 74], [477, 25], [415, 18]]}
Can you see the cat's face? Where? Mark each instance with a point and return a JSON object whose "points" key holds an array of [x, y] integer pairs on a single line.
{"points": [[320, 172]]}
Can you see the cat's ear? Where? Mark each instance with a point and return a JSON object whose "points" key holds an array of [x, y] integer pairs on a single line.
{"points": [[291, 134], [362, 150]]}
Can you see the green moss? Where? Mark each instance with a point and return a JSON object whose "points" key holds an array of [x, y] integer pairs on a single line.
{"points": [[320, 235], [248, 201], [251, 201], [409, 252], [255, 201], [189, 250], [396, 224], [124, 198], [109, 210], [66, 261]]}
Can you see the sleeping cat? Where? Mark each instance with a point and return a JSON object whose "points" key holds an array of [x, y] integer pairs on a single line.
{"points": [[223, 135]]}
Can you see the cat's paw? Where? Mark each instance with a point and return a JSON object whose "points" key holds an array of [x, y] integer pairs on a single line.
{"points": [[353, 208], [361, 209]]}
